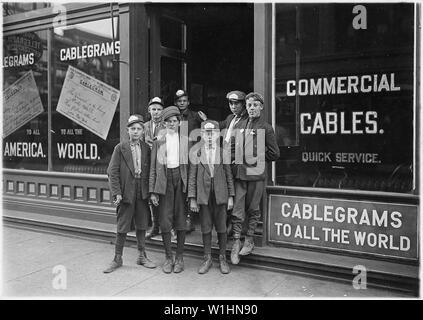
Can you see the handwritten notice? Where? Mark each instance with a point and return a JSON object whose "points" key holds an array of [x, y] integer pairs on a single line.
{"points": [[87, 101], [22, 103]]}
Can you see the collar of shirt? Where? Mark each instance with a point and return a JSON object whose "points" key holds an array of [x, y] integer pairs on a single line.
{"points": [[134, 143]]}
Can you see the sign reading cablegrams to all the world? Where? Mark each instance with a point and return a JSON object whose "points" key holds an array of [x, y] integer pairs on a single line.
{"points": [[21, 103], [87, 101], [384, 229]]}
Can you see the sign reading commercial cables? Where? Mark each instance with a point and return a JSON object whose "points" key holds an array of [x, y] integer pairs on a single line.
{"points": [[87, 101], [21, 103], [378, 228]]}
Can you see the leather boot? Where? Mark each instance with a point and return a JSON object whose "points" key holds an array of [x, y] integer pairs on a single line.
{"points": [[116, 263], [248, 246], [235, 251], [179, 264], [144, 261], [206, 265], [223, 264], [168, 264]]}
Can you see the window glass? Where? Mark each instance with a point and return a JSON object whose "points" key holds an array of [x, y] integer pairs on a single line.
{"points": [[171, 32], [24, 62], [11, 8], [171, 78], [344, 96], [85, 108]]}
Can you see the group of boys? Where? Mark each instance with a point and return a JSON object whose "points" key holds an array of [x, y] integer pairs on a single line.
{"points": [[163, 169]]}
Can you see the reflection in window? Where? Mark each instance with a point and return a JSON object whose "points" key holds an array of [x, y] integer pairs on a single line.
{"points": [[89, 48], [25, 96], [353, 92], [11, 8]]}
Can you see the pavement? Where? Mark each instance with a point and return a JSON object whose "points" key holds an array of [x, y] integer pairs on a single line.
{"points": [[48, 265]]}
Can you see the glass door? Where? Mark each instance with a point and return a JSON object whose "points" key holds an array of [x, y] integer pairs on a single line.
{"points": [[168, 55]]}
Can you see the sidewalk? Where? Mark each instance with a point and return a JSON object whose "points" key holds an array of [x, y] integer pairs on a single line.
{"points": [[30, 256]]}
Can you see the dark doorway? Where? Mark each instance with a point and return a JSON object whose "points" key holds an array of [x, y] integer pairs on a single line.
{"points": [[220, 52]]}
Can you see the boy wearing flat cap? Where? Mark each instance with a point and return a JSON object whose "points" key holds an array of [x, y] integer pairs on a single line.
{"points": [[152, 129], [211, 192], [236, 102], [193, 120], [168, 186], [250, 173], [128, 174]]}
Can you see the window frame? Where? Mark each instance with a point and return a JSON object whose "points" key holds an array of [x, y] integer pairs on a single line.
{"points": [[413, 194]]}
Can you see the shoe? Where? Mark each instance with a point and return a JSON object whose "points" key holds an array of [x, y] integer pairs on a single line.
{"points": [[153, 232], [235, 251], [206, 265], [223, 264], [190, 225], [144, 261], [168, 265], [173, 235], [116, 263], [248, 246], [179, 265]]}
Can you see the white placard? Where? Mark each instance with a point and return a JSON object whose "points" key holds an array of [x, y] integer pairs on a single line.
{"points": [[22, 103], [87, 101]]}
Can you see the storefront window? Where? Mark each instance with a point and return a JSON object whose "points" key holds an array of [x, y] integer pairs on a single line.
{"points": [[85, 98], [11, 8], [25, 97], [344, 96]]}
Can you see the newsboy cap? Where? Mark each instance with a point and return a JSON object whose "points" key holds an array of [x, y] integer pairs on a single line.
{"points": [[256, 96], [180, 93], [135, 118], [169, 112], [156, 100], [209, 125], [236, 95]]}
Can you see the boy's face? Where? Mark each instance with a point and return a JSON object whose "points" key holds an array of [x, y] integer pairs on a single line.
{"points": [[182, 103], [254, 108], [236, 106], [210, 136], [155, 111], [135, 131], [172, 123]]}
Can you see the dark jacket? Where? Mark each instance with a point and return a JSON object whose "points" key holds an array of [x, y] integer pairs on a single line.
{"points": [[158, 168], [225, 123], [149, 135], [193, 118], [199, 182], [253, 165], [121, 171]]}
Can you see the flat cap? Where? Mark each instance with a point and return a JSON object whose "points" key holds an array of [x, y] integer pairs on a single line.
{"points": [[256, 96], [236, 95], [209, 125], [180, 93], [135, 118], [169, 112], [156, 100]]}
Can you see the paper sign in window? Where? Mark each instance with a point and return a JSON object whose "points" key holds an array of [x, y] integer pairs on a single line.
{"points": [[21, 103], [87, 101]]}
